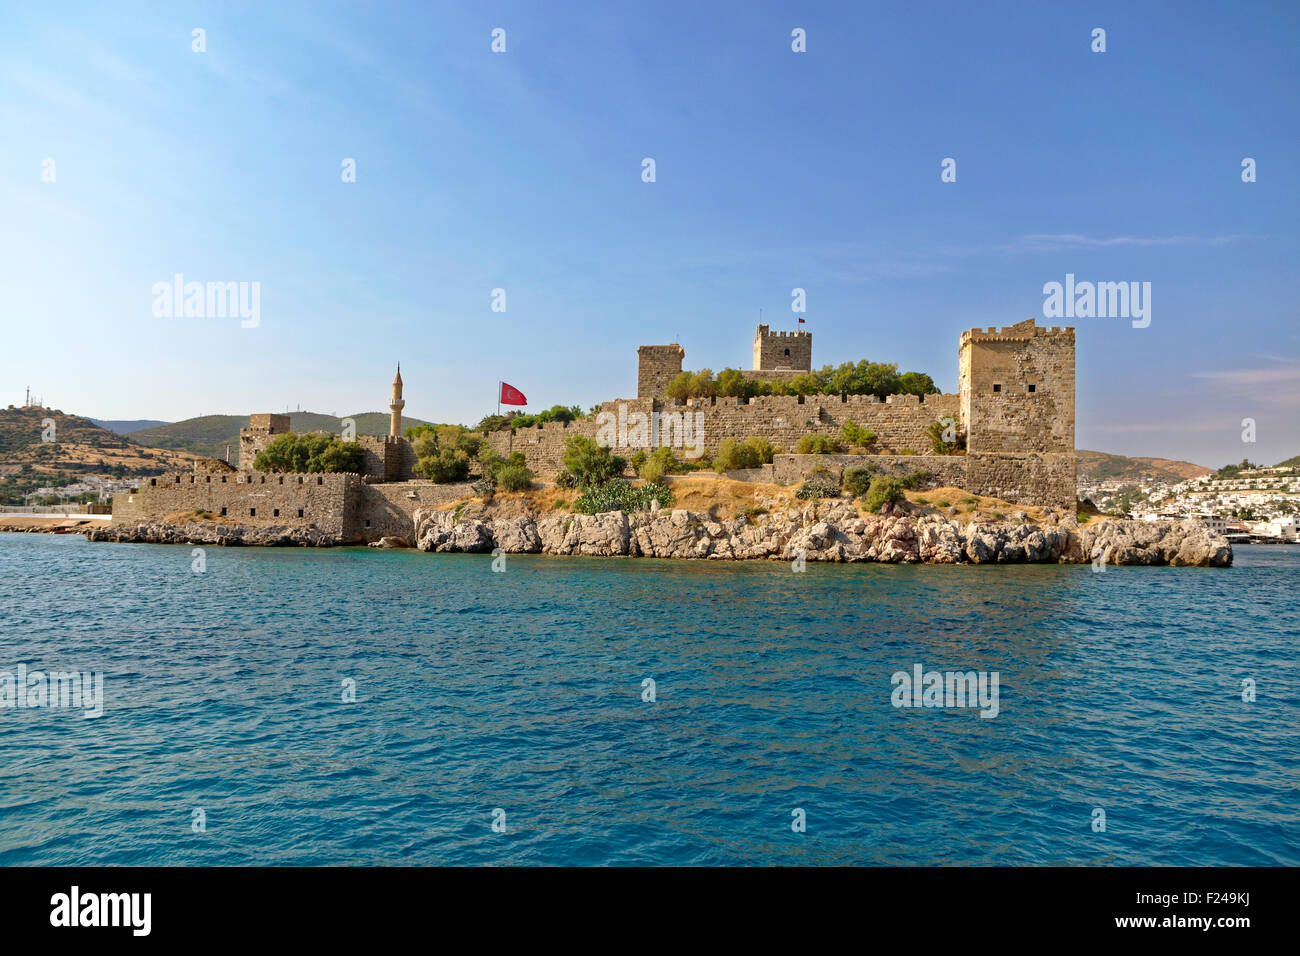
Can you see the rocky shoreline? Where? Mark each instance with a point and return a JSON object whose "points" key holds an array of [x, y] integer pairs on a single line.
{"points": [[832, 531], [820, 531]]}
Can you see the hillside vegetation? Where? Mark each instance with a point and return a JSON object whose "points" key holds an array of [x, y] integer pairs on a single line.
{"points": [[80, 448]]}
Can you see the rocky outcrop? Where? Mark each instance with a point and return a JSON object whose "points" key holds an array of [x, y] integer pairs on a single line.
{"points": [[1188, 543], [156, 532], [832, 531]]}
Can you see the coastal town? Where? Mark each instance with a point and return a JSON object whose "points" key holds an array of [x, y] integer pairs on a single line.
{"points": [[1245, 503]]}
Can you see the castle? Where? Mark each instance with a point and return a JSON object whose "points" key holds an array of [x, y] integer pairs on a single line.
{"points": [[1014, 404]]}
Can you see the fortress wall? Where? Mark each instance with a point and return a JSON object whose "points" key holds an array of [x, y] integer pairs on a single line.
{"points": [[944, 469], [388, 509], [1046, 479], [246, 498], [900, 422], [542, 445]]}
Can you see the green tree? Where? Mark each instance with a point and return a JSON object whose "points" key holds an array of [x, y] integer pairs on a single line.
{"points": [[310, 453]]}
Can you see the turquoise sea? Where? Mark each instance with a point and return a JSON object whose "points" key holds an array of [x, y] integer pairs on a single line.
{"points": [[522, 691]]}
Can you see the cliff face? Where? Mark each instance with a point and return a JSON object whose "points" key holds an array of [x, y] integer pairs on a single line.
{"points": [[827, 532]]}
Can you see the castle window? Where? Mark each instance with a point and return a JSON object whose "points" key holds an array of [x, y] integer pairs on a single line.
{"points": [[153, 482], [367, 522], [282, 479], [178, 479], [299, 512], [1033, 388], [223, 479], [300, 479], [997, 388], [787, 351], [223, 511], [252, 512], [320, 481], [264, 479], [275, 513], [208, 479]]}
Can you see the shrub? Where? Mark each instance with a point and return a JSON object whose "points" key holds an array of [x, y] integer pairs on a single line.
{"points": [[813, 489], [855, 434], [883, 491], [443, 465], [857, 480], [566, 479], [908, 451], [637, 461], [750, 453], [484, 488], [617, 494], [514, 478], [941, 503], [750, 512], [819, 445], [914, 479], [935, 432], [590, 463], [445, 452], [653, 471]]}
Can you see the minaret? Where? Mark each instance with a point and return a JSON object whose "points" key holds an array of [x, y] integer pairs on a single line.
{"points": [[396, 406]]}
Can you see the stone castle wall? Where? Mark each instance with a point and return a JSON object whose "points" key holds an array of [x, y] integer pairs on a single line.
{"points": [[389, 509], [1048, 480], [257, 499], [344, 505]]}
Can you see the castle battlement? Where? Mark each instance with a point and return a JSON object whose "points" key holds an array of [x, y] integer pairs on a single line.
{"points": [[1020, 332]]}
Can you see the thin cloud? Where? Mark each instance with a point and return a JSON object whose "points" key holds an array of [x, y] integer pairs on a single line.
{"points": [[1076, 241]]}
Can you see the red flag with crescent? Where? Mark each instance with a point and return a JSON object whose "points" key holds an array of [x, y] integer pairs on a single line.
{"points": [[511, 395]]}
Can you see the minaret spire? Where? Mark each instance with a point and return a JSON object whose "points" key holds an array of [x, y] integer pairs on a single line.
{"points": [[396, 405]]}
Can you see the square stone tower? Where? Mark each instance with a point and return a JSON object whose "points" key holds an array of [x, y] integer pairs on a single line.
{"points": [[1016, 387], [656, 366], [783, 351], [259, 433]]}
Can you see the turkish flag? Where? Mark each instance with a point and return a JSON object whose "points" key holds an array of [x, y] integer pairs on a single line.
{"points": [[801, 321], [511, 395]]}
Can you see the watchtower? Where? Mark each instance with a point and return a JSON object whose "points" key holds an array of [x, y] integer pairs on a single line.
{"points": [[1016, 387], [782, 351]]}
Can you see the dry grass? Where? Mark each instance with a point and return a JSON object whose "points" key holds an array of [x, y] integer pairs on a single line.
{"points": [[983, 506], [723, 497]]}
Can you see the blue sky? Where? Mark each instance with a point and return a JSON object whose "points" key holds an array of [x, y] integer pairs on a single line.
{"points": [[774, 170]]}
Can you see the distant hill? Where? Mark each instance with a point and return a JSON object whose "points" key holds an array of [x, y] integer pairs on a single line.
{"points": [[209, 435], [79, 447], [120, 427], [1101, 466], [1293, 462]]}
